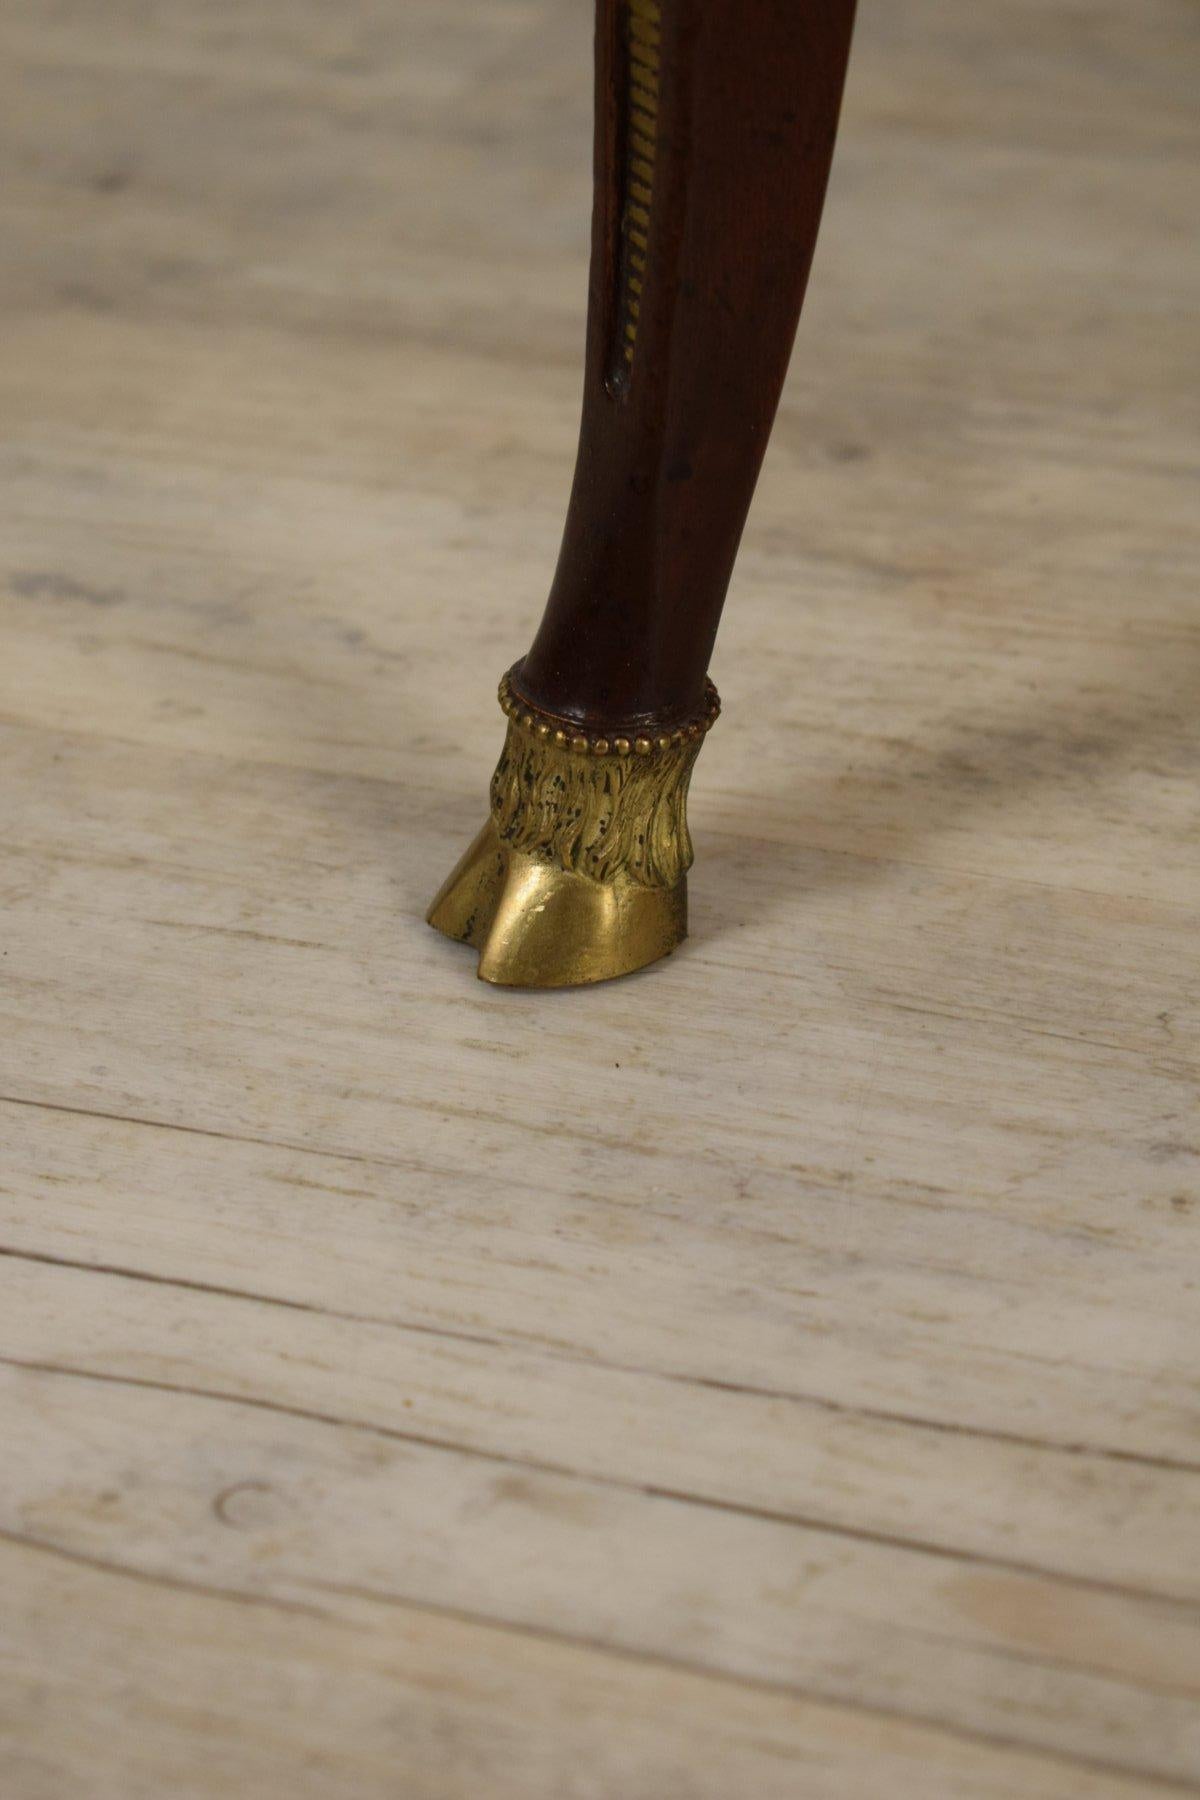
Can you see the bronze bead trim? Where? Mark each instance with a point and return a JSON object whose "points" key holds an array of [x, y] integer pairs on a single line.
{"points": [[567, 736]]}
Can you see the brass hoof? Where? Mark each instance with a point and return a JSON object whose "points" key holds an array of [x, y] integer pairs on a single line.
{"points": [[580, 873], [535, 924]]}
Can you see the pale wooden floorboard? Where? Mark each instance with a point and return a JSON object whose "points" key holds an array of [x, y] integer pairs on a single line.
{"points": [[776, 1374]]}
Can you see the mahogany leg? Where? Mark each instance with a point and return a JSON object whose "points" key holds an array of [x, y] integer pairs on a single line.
{"points": [[715, 125]]}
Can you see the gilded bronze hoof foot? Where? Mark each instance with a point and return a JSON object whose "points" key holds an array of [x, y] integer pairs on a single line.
{"points": [[580, 873], [538, 925]]}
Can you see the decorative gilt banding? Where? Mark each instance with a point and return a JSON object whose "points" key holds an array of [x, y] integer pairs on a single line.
{"points": [[638, 98], [545, 725]]}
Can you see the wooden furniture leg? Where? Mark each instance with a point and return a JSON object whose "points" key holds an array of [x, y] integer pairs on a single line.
{"points": [[715, 124]]}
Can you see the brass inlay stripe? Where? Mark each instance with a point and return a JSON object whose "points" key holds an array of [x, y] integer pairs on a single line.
{"points": [[638, 89]]}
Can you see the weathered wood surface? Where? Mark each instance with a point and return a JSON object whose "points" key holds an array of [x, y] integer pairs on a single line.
{"points": [[774, 1375]]}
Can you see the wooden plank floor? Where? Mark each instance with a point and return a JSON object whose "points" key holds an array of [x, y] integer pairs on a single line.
{"points": [[777, 1375]]}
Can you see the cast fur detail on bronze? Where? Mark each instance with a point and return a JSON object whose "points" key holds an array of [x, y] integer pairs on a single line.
{"points": [[596, 815]]}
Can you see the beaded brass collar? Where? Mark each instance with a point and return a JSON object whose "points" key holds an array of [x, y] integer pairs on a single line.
{"points": [[570, 737]]}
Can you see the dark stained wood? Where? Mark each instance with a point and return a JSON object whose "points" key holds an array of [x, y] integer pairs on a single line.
{"points": [[716, 227]]}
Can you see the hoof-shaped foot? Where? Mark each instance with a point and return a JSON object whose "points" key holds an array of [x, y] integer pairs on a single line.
{"points": [[536, 924]]}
